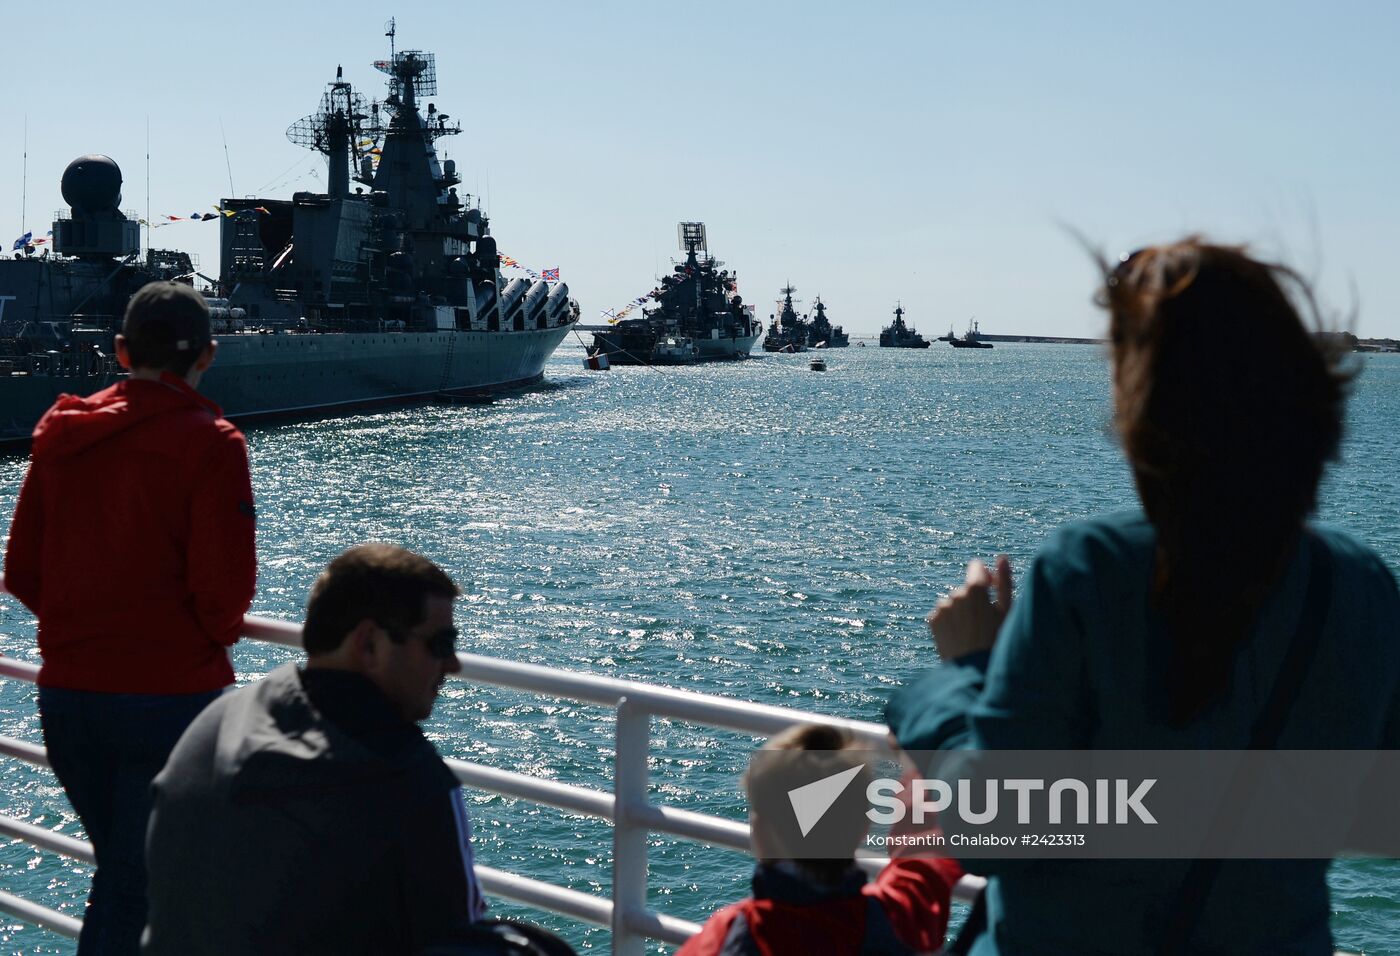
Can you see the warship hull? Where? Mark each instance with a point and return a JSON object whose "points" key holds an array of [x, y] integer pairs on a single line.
{"points": [[286, 375], [623, 350], [720, 349]]}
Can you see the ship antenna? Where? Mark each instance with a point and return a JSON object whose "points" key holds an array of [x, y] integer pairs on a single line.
{"points": [[389, 31], [227, 164], [148, 184], [24, 179]]}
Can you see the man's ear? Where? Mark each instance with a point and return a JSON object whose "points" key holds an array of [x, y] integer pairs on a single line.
{"points": [[363, 644]]}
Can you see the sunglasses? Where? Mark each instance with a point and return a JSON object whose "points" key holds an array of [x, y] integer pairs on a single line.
{"points": [[441, 644]]}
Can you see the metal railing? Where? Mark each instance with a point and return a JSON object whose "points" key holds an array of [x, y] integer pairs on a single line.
{"points": [[625, 805]]}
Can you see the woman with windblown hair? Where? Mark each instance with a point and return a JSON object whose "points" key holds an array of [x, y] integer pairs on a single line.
{"points": [[1168, 628]]}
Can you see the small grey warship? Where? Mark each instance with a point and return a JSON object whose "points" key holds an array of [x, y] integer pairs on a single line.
{"points": [[821, 333], [324, 303], [788, 332], [898, 335], [698, 317]]}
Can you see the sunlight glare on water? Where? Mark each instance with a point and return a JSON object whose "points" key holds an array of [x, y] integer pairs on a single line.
{"points": [[755, 530]]}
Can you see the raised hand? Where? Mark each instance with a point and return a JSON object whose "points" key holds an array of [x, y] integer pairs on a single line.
{"points": [[968, 619]]}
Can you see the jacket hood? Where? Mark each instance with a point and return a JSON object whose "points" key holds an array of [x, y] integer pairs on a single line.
{"points": [[76, 423], [273, 740]]}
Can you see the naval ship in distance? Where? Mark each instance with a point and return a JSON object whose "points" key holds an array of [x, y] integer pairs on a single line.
{"points": [[699, 315], [324, 302]]}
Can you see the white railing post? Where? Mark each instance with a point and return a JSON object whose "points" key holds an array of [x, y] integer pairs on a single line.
{"points": [[629, 892]]}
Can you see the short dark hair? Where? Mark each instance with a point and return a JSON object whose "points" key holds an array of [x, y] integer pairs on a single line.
{"points": [[796, 757], [166, 327], [379, 582]]}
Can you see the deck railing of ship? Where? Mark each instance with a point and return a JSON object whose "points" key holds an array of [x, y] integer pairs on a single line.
{"points": [[624, 803]]}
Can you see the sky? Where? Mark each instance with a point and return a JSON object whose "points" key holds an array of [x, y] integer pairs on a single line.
{"points": [[941, 155]]}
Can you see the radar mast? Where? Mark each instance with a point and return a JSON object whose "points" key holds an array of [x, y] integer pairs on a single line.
{"points": [[343, 129]]}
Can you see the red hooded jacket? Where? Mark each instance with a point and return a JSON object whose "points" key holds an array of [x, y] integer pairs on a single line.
{"points": [[905, 909], [133, 540]]}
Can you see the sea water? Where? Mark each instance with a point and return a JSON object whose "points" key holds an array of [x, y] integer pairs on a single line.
{"points": [[755, 530]]}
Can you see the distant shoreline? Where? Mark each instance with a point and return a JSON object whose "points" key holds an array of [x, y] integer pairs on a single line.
{"points": [[1359, 345], [1041, 339]]}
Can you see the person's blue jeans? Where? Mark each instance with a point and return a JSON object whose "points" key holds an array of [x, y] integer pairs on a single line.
{"points": [[106, 749]]}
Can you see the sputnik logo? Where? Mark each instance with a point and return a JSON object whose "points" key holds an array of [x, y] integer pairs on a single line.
{"points": [[811, 801]]}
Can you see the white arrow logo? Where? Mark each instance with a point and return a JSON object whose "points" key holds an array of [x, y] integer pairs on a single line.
{"points": [[811, 801]]}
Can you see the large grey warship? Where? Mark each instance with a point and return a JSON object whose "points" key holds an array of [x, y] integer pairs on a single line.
{"points": [[324, 302], [698, 317]]}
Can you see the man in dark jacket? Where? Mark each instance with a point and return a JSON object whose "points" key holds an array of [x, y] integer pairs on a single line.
{"points": [[307, 813], [132, 542]]}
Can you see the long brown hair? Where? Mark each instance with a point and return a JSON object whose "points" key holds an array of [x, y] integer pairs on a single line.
{"points": [[1228, 405]]}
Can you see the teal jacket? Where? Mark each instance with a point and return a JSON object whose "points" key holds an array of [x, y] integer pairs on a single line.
{"points": [[1078, 665]]}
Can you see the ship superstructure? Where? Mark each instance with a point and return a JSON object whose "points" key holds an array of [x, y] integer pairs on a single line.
{"points": [[821, 333], [900, 335], [788, 332], [698, 314], [324, 302]]}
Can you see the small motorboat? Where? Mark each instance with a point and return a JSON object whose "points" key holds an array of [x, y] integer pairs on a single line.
{"points": [[818, 365]]}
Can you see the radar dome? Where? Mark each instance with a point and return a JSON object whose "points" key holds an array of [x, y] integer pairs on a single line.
{"points": [[92, 184]]}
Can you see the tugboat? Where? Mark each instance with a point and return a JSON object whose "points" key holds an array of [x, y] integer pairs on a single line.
{"points": [[324, 302], [897, 335], [788, 332], [698, 302], [629, 342], [972, 338], [822, 333]]}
